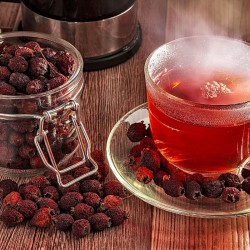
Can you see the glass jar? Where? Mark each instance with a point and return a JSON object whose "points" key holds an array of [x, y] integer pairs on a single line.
{"points": [[41, 131]]}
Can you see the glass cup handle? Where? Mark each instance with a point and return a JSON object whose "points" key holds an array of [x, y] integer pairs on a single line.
{"points": [[81, 135]]}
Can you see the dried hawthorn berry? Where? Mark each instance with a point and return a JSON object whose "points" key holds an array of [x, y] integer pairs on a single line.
{"points": [[26, 151], [144, 175], [51, 176], [69, 200], [92, 199], [35, 86], [24, 52], [49, 54], [38, 66], [27, 208], [150, 159], [97, 155], [80, 171], [42, 218], [230, 194], [28, 107], [82, 211], [117, 215], [246, 185], [18, 64], [103, 171], [113, 187], [245, 172], [7, 186], [192, 189], [148, 142], [230, 179], [72, 188], [49, 203], [4, 73], [36, 162], [160, 177], [196, 177], [63, 222], [136, 150], [99, 221], [39, 180], [16, 138], [6, 89], [11, 217], [33, 45], [23, 126], [134, 162], [29, 138], [51, 192], [110, 201], [11, 49], [136, 131], [81, 228], [212, 188], [93, 186], [65, 62], [4, 59], [30, 192], [56, 82], [12, 199], [173, 188]]}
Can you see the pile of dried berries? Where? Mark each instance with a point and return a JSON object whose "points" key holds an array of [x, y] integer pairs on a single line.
{"points": [[32, 69], [88, 205], [149, 165]]}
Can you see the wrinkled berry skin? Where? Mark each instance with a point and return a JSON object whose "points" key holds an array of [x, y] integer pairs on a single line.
{"points": [[192, 189], [150, 159], [114, 187], [11, 217], [64, 222], [42, 218], [246, 185], [81, 228], [212, 188], [230, 180], [27, 208], [117, 215], [136, 132], [173, 188], [69, 200], [144, 175], [231, 194], [82, 211], [7, 186], [99, 221], [38, 66]]}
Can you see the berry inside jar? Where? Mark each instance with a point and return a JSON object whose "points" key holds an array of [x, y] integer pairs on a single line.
{"points": [[38, 74]]}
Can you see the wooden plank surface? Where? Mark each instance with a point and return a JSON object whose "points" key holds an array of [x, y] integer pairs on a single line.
{"points": [[108, 95]]}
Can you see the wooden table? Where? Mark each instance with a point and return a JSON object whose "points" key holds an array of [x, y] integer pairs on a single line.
{"points": [[111, 93]]}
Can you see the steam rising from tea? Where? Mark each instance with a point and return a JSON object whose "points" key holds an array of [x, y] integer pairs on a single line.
{"points": [[215, 73]]}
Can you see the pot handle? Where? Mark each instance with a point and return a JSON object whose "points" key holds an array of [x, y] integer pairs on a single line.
{"points": [[82, 138]]}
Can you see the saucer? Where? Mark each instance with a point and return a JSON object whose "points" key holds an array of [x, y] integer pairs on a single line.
{"points": [[118, 147]]}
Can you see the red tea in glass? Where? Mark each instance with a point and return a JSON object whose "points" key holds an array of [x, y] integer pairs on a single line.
{"points": [[199, 115]]}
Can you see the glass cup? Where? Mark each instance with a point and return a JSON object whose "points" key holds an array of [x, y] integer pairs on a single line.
{"points": [[198, 93]]}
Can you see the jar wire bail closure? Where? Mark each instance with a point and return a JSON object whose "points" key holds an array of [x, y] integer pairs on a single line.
{"points": [[82, 137]]}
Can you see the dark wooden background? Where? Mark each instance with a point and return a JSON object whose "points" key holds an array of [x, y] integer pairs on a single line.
{"points": [[111, 93]]}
